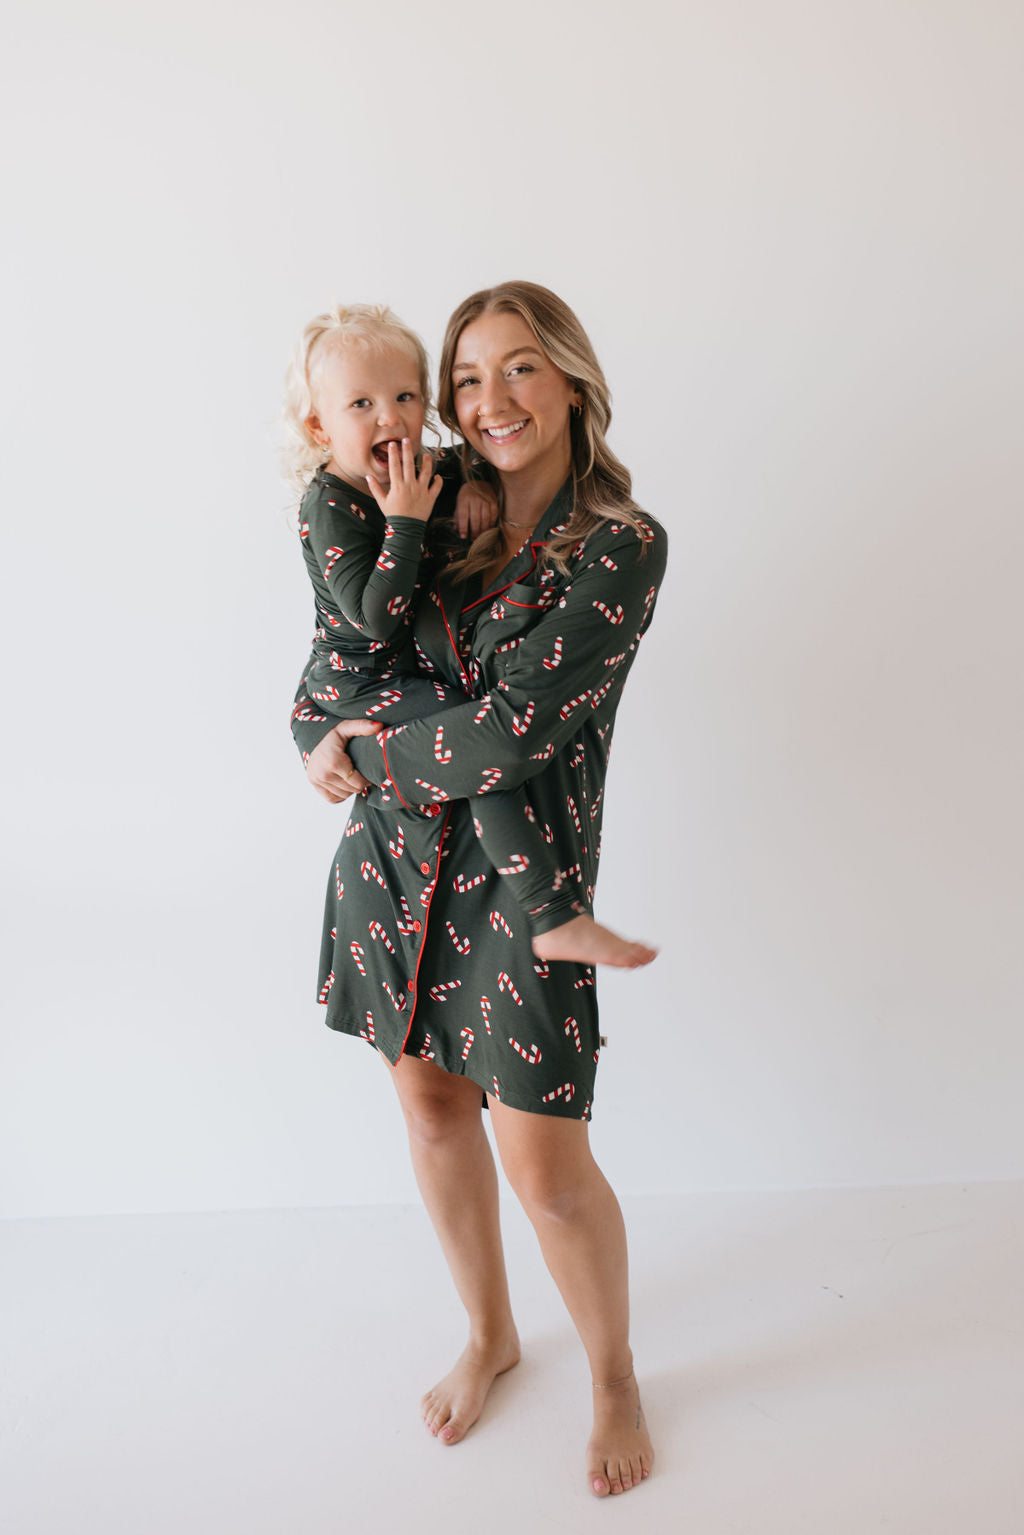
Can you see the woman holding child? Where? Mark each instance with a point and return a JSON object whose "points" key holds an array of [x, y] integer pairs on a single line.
{"points": [[459, 938]]}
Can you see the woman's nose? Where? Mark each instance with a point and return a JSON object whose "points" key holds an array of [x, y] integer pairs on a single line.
{"points": [[493, 396]]}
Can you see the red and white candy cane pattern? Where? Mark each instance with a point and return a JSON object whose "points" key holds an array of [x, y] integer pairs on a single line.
{"points": [[439, 993], [549, 751], [574, 812], [397, 606], [497, 1091], [325, 988], [462, 885], [353, 827], [377, 933], [304, 530], [508, 645], [385, 562], [485, 1009], [357, 951], [396, 846], [531, 1056], [408, 925], [462, 944], [572, 872], [423, 661], [505, 981], [432, 789], [521, 726], [367, 1033], [584, 980], [333, 556], [555, 658], [468, 1036], [484, 710], [339, 884], [573, 1028], [398, 1002], [328, 696], [368, 872], [388, 697], [602, 693], [566, 1091], [596, 805], [491, 777], [615, 617], [497, 920], [574, 703], [609, 564], [615, 660], [426, 1054], [445, 754], [440, 691], [518, 864], [542, 968], [427, 893], [356, 509]]}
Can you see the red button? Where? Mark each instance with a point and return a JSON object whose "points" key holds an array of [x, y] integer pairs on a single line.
{"points": [[416, 926], [424, 868], [411, 985]]}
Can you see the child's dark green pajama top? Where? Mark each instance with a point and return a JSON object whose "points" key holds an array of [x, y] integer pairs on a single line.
{"points": [[422, 951]]}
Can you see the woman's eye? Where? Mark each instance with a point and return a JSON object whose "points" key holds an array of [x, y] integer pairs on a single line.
{"points": [[521, 367], [464, 381]]}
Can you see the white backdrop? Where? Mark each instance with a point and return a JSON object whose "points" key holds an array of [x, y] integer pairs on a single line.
{"points": [[795, 234]]}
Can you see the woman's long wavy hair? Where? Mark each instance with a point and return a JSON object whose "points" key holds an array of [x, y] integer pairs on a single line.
{"points": [[602, 486], [368, 325]]}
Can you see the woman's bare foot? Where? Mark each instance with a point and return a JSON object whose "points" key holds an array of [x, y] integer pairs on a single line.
{"points": [[586, 942], [620, 1453], [455, 1403]]}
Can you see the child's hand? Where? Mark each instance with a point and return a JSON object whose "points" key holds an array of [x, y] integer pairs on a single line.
{"points": [[476, 509], [409, 494]]}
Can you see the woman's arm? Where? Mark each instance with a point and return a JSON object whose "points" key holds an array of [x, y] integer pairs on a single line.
{"points": [[574, 660]]}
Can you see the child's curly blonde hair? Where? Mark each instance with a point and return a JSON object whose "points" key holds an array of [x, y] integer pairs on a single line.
{"points": [[368, 325]]}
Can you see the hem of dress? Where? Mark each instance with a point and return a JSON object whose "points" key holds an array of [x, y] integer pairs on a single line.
{"points": [[553, 1110]]}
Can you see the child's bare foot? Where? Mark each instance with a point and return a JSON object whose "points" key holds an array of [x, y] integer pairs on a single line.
{"points": [[455, 1403], [620, 1453], [588, 943]]}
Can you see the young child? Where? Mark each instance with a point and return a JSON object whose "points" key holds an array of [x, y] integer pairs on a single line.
{"points": [[357, 400]]}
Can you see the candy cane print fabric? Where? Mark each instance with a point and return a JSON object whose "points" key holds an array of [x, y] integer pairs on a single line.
{"points": [[460, 986]]}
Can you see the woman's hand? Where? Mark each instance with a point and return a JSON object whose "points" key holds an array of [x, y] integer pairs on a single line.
{"points": [[408, 494], [476, 509], [330, 769]]}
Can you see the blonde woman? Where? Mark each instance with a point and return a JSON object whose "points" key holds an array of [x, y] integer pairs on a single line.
{"points": [[541, 621]]}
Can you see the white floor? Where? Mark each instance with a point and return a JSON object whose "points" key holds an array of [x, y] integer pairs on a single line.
{"points": [[828, 1362]]}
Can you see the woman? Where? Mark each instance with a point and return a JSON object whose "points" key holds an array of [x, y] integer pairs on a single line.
{"points": [[539, 625]]}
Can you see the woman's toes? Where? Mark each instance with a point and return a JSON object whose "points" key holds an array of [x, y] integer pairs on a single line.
{"points": [[452, 1431], [600, 1486], [636, 1468]]}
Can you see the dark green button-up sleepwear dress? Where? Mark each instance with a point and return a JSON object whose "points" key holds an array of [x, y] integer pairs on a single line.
{"points": [[423, 951]]}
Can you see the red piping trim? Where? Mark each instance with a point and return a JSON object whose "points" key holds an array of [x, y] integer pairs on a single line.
{"points": [[455, 648], [388, 772], [490, 596], [426, 922]]}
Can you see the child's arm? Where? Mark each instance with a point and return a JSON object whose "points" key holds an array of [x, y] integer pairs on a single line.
{"points": [[372, 585]]}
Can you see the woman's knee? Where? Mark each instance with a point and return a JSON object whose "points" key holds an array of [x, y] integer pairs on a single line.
{"points": [[548, 1188], [438, 1108]]}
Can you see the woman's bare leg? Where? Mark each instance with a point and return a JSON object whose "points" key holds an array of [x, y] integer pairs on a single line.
{"points": [[451, 1157], [579, 1225]]}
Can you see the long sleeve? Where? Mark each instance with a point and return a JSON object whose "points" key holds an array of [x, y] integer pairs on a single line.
{"points": [[572, 662], [370, 582]]}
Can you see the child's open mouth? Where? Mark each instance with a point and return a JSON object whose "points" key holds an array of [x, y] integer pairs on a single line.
{"points": [[380, 450]]}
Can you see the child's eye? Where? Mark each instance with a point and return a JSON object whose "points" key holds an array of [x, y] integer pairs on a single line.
{"points": [[357, 403], [407, 394]]}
